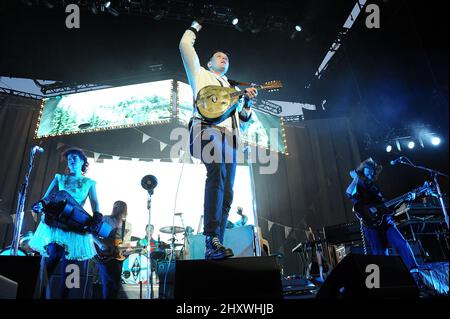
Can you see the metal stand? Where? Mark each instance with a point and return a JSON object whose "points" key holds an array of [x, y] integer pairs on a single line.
{"points": [[21, 204], [149, 285], [149, 182], [434, 174], [255, 213]]}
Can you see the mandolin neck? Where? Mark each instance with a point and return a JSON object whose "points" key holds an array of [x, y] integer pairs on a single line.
{"points": [[240, 93]]}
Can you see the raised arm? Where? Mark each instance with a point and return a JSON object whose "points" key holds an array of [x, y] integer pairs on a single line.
{"points": [[53, 185], [351, 189], [188, 55]]}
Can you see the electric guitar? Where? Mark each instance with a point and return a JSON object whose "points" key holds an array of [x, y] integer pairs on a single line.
{"points": [[372, 215], [215, 103], [107, 249]]}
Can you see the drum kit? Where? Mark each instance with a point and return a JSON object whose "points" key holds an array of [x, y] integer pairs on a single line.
{"points": [[136, 265]]}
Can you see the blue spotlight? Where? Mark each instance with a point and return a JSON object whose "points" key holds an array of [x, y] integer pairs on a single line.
{"points": [[435, 140], [411, 145], [388, 148]]}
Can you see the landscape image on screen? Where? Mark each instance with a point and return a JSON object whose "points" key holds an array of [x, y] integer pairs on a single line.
{"points": [[118, 107]]}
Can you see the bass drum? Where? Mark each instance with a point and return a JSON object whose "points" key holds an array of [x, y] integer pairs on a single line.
{"points": [[9, 251], [135, 269]]}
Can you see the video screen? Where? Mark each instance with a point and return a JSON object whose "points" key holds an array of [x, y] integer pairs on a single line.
{"points": [[112, 108]]}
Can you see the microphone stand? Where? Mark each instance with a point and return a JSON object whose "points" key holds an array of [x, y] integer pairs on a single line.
{"points": [[434, 174], [255, 213], [20, 206], [149, 285]]}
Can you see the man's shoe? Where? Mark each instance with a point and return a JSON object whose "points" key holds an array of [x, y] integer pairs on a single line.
{"points": [[215, 250]]}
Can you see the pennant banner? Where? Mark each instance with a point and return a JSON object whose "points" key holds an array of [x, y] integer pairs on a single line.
{"points": [[162, 146], [96, 156], [287, 231], [270, 224], [115, 158], [145, 138]]}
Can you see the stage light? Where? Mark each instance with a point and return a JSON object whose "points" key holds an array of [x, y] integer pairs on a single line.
{"points": [[107, 4], [411, 145], [388, 148], [298, 28], [235, 21], [435, 140]]}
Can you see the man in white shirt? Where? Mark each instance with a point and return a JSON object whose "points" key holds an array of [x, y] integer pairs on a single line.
{"points": [[220, 161]]}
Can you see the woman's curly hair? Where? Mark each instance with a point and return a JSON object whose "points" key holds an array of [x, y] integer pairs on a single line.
{"points": [[81, 155]]}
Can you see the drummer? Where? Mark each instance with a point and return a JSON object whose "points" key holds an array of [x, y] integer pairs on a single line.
{"points": [[149, 230]]}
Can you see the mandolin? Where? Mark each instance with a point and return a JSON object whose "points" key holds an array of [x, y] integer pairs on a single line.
{"points": [[215, 103]]}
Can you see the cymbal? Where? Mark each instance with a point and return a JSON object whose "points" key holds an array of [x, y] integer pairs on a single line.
{"points": [[169, 229], [5, 219]]}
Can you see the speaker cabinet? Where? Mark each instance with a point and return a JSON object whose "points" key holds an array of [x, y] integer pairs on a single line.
{"points": [[358, 276], [234, 278], [25, 271]]}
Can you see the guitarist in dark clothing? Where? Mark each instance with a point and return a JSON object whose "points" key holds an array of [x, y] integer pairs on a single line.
{"points": [[363, 192], [109, 259]]}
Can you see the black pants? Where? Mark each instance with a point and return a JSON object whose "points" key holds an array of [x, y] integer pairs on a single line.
{"points": [[220, 162], [110, 275]]}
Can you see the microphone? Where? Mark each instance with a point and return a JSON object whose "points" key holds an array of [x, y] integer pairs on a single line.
{"points": [[37, 149], [396, 161]]}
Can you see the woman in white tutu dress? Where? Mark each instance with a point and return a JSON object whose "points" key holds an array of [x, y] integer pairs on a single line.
{"points": [[56, 244]]}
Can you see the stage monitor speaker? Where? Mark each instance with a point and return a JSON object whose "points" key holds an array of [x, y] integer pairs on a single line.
{"points": [[8, 288], [25, 271], [356, 277], [234, 278]]}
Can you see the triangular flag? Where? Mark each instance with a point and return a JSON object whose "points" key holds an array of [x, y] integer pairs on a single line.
{"points": [[269, 224], [96, 156], [59, 145], [162, 146], [135, 159], [156, 160], [287, 231], [145, 138], [116, 158]]}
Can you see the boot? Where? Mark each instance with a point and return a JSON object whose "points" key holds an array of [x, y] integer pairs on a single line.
{"points": [[215, 250], [221, 239]]}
